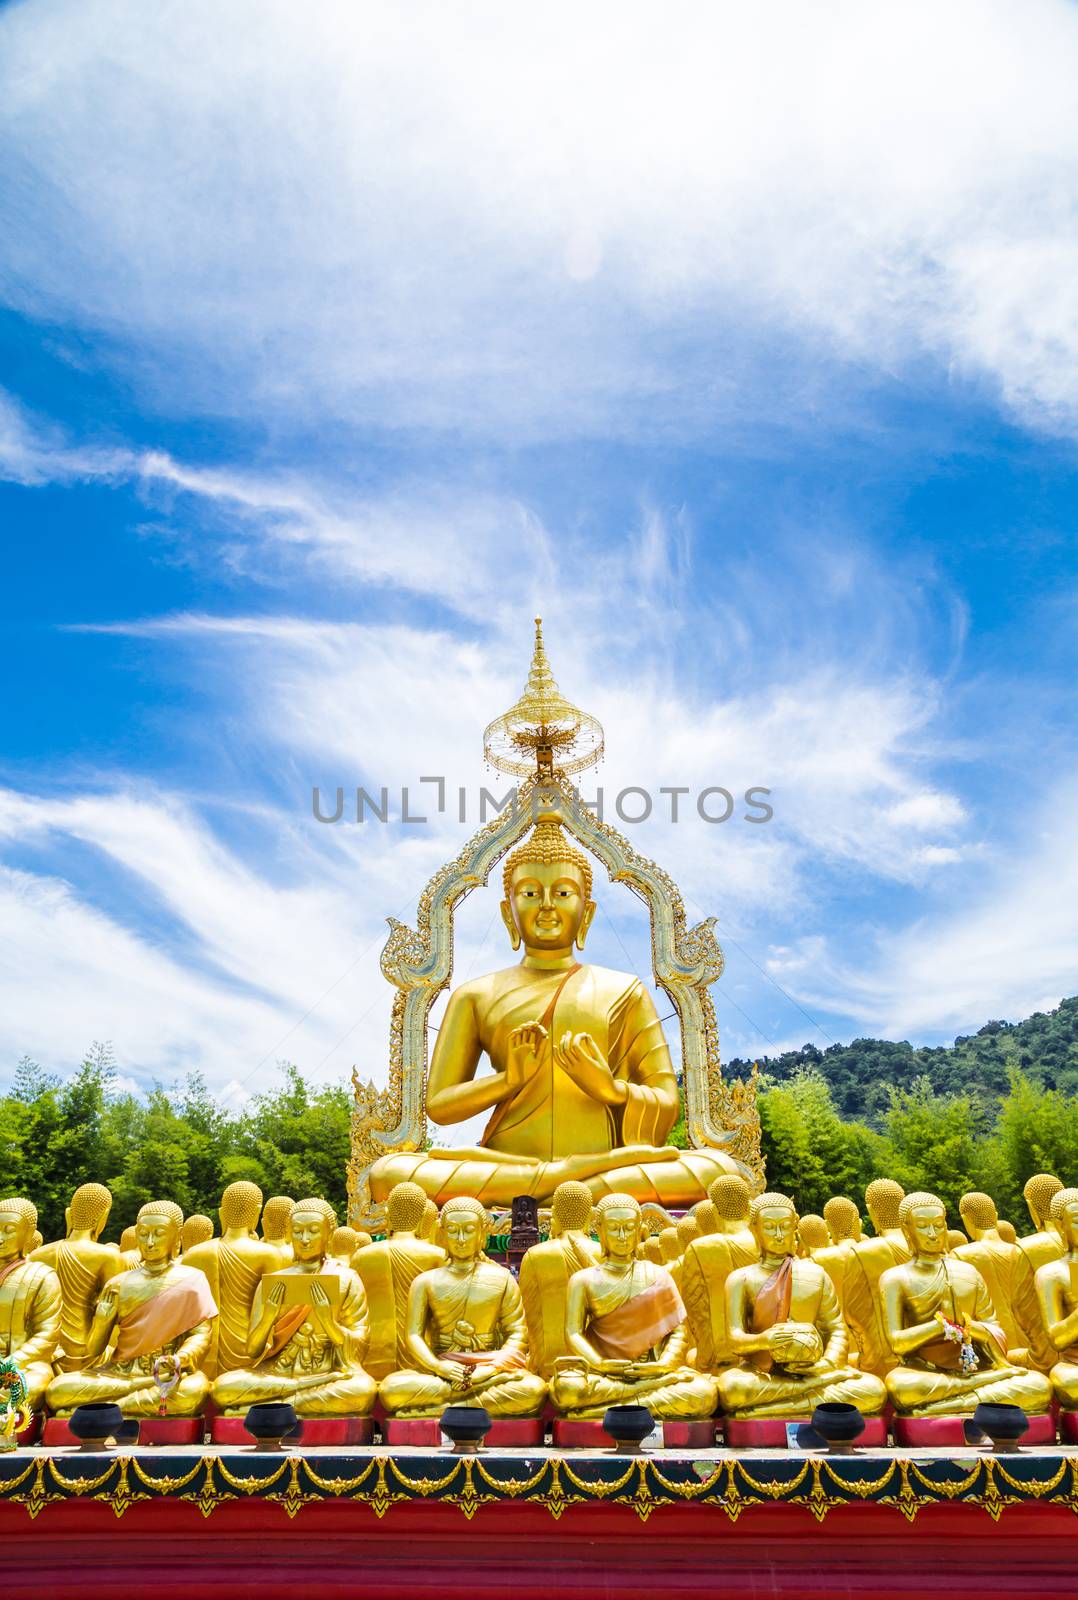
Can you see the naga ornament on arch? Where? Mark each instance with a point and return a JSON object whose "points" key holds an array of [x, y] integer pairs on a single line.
{"points": [[583, 1087]]}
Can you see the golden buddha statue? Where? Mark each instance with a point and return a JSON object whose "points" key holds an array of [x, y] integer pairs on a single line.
{"points": [[1034, 1251], [465, 1331], [31, 1306], [942, 1328], [234, 1264], [276, 1214], [869, 1259], [785, 1326], [1057, 1295], [812, 1235], [708, 1263], [387, 1268], [344, 1242], [159, 1311], [843, 1222], [196, 1229], [308, 1351], [83, 1266], [547, 1268], [998, 1264], [626, 1332]]}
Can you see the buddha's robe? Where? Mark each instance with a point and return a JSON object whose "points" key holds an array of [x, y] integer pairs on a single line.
{"points": [[387, 1269], [30, 1313], [835, 1260], [301, 1364], [234, 1270], [1034, 1252], [705, 1267], [928, 1381], [544, 1284], [550, 1130], [638, 1318], [476, 1318], [999, 1264], [83, 1267], [861, 1305], [798, 1291], [157, 1314]]}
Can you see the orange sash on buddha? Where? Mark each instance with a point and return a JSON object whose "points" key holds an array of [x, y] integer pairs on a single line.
{"points": [[772, 1305], [637, 1325], [173, 1311], [288, 1323]]}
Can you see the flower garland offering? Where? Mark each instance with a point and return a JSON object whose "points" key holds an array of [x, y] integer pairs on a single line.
{"points": [[959, 1333]]}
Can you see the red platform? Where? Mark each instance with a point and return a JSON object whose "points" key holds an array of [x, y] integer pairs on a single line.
{"points": [[507, 1433], [769, 1433], [1068, 1426], [316, 1431], [947, 1433], [589, 1434], [151, 1430]]}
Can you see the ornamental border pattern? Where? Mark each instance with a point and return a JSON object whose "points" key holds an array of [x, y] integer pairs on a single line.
{"points": [[557, 1482]]}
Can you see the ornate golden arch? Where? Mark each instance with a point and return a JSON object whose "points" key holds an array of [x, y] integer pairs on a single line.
{"points": [[419, 963]]}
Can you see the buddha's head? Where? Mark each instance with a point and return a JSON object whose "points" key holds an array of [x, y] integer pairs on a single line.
{"points": [[812, 1232], [978, 1213], [707, 1218], [570, 1209], [429, 1227], [240, 1206], [465, 1226], [1039, 1192], [128, 1238], [18, 1223], [730, 1196], [157, 1232], [883, 1197], [1007, 1231], [620, 1222], [344, 1242], [923, 1219], [670, 1244], [773, 1220], [89, 1209], [312, 1226], [275, 1217], [405, 1208], [1063, 1212], [548, 906], [196, 1230], [843, 1219], [688, 1229]]}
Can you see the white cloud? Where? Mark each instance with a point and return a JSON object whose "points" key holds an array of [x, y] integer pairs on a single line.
{"points": [[467, 217]]}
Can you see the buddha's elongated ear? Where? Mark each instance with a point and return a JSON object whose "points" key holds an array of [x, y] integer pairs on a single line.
{"points": [[585, 924], [510, 926]]}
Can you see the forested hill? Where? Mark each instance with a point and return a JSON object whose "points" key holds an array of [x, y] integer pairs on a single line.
{"points": [[1044, 1047]]}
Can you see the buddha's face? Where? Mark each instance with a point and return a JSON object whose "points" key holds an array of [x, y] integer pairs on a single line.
{"points": [[548, 909], [463, 1234], [16, 1231], [619, 1231], [156, 1236], [1067, 1224], [310, 1235], [926, 1230], [775, 1228]]}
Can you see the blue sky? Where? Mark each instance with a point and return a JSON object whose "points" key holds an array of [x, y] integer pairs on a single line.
{"points": [[335, 346]]}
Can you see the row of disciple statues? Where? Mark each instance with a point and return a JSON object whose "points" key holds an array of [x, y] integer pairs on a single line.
{"points": [[740, 1306]]}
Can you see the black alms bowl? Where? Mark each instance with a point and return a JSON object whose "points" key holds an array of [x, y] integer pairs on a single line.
{"points": [[95, 1422], [628, 1425], [1004, 1425], [271, 1422], [837, 1423], [466, 1424]]}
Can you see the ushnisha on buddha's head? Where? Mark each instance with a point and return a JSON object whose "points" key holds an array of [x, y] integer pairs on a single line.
{"points": [[619, 1223], [157, 1232], [548, 906], [923, 1219], [1063, 1214], [312, 1225], [773, 1221], [465, 1226], [18, 1222]]}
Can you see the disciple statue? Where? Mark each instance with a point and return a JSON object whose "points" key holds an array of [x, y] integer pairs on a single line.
{"points": [[785, 1325], [998, 1264], [547, 1268], [196, 1229], [345, 1242], [83, 1266], [844, 1226], [465, 1332], [1034, 1251], [155, 1317], [309, 1331], [950, 1351], [1044, 1244], [129, 1253], [388, 1268], [869, 1259], [234, 1265], [275, 1219], [30, 1301], [583, 1086], [1057, 1294], [708, 1263], [626, 1332]]}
